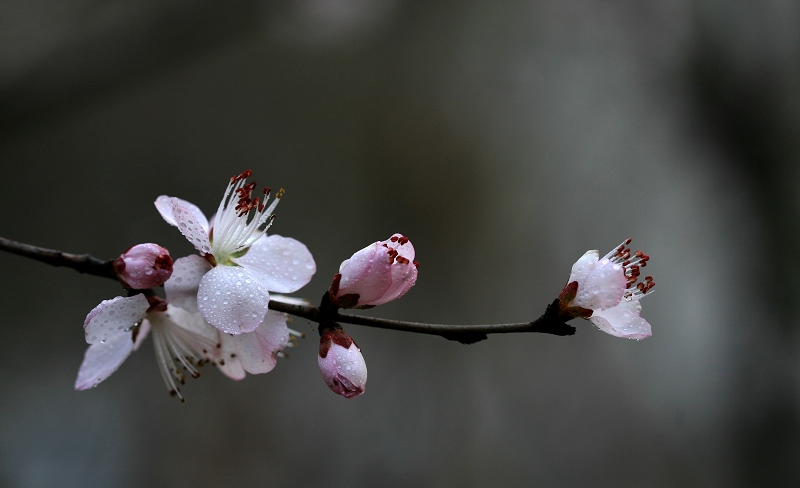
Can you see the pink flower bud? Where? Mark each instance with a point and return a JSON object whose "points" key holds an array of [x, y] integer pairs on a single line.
{"points": [[341, 363], [144, 266], [377, 274]]}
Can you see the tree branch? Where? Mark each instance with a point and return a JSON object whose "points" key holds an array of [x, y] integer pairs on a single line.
{"points": [[548, 323], [82, 263]]}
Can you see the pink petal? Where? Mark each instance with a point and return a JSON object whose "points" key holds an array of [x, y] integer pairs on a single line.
{"points": [[344, 370], [282, 264], [603, 287], [406, 249], [102, 359], [367, 273], [192, 224], [624, 320], [258, 350], [582, 267], [164, 207], [404, 276], [232, 300], [181, 288], [114, 316]]}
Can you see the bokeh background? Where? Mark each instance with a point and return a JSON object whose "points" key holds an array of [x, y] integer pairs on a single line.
{"points": [[505, 139]]}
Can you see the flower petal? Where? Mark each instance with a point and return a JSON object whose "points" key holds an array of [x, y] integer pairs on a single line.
{"points": [[232, 300], [181, 288], [228, 361], [164, 207], [583, 266], [404, 276], [258, 350], [102, 359], [367, 273], [192, 224], [114, 316], [144, 331], [603, 287], [624, 320], [282, 264]]}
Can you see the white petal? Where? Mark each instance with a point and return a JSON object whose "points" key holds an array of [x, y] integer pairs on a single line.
{"points": [[624, 320], [603, 287], [102, 359], [192, 224], [228, 361], [164, 207], [181, 288], [282, 264], [114, 316], [583, 266], [232, 300], [258, 350], [144, 331]]}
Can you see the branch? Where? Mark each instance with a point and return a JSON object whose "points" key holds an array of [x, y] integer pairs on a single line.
{"points": [[548, 323], [82, 263]]}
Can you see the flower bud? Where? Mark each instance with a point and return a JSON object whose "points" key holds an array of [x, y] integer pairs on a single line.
{"points": [[341, 363], [144, 266], [377, 274]]}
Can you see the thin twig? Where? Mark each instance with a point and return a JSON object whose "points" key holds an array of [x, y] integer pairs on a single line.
{"points": [[549, 323], [82, 263]]}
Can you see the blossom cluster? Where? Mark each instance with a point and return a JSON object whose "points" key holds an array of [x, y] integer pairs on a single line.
{"points": [[216, 304], [215, 308]]}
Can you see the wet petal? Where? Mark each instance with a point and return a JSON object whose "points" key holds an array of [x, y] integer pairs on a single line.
{"points": [[232, 300], [404, 276], [258, 350], [603, 287], [282, 264], [367, 273], [181, 288], [102, 359], [192, 224], [114, 316], [164, 207], [624, 320], [144, 331], [583, 266]]}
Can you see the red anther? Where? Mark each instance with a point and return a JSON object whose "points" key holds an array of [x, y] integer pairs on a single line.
{"points": [[416, 264], [648, 278], [638, 254], [267, 190], [640, 286], [393, 239], [261, 208], [402, 240], [626, 263], [628, 285]]}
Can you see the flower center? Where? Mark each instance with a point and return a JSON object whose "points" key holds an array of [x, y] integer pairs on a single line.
{"points": [[241, 219], [631, 265]]}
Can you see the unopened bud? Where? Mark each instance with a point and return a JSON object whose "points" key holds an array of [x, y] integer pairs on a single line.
{"points": [[341, 363], [377, 274], [144, 266]]}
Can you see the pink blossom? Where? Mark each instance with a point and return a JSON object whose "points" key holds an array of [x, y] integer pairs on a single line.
{"points": [[341, 363], [377, 274], [230, 284], [144, 266], [607, 291]]}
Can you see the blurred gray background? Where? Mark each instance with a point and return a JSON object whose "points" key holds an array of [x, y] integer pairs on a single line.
{"points": [[505, 139]]}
